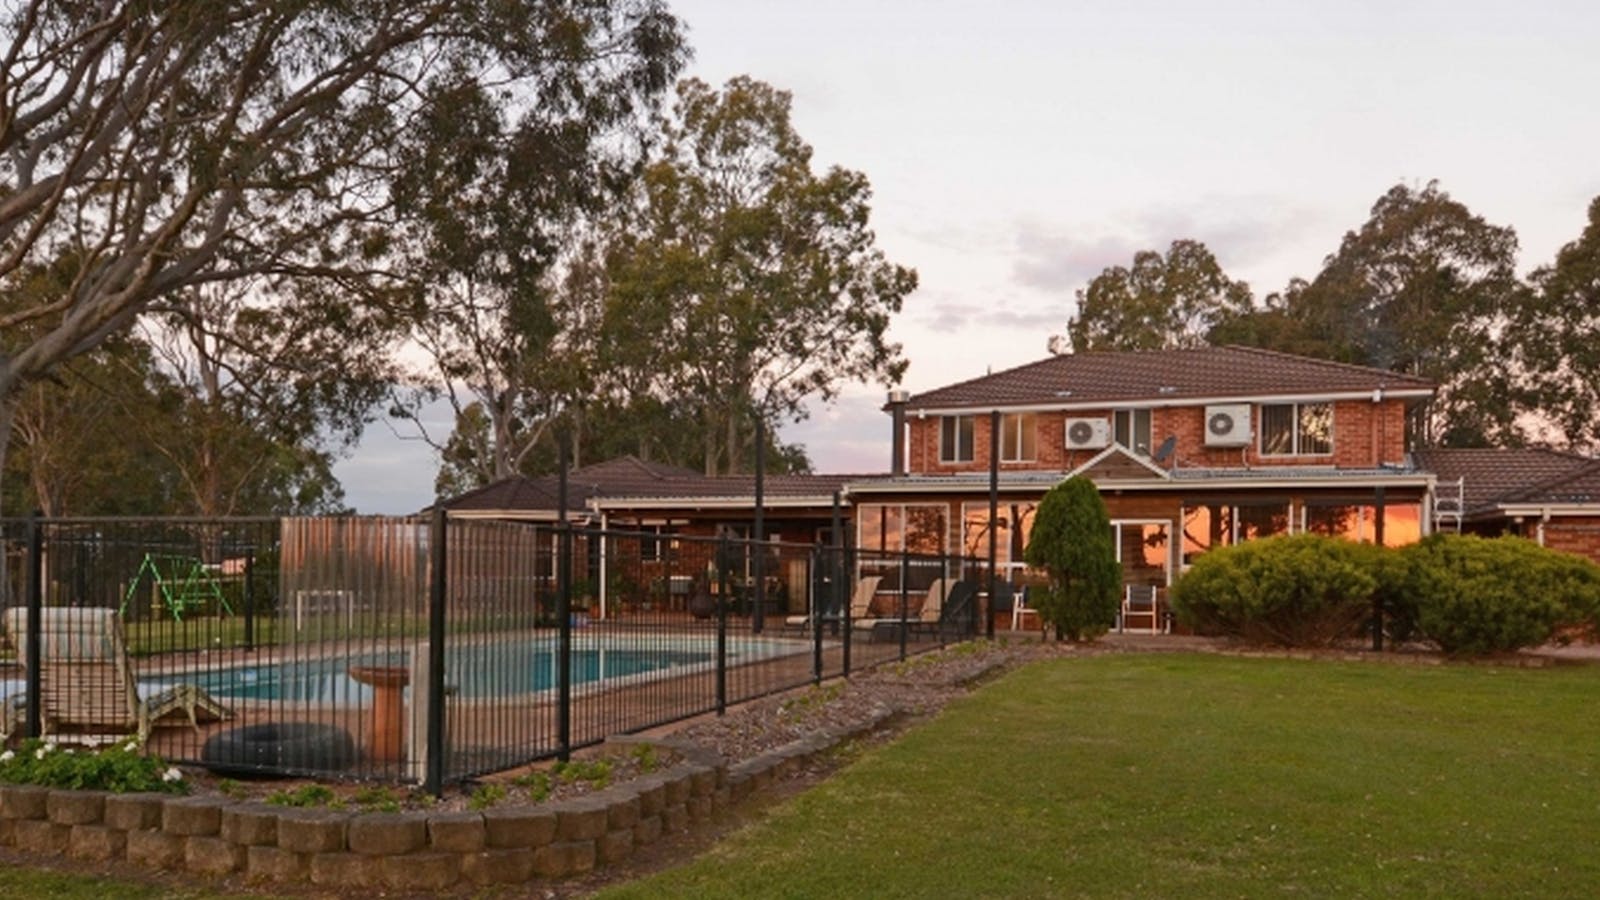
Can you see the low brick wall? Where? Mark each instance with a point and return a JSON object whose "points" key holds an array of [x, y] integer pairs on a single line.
{"points": [[413, 851]]}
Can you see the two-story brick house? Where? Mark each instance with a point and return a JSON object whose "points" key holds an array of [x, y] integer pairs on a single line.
{"points": [[1191, 449]]}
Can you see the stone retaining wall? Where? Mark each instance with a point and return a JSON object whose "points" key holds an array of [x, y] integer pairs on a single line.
{"points": [[415, 851]]}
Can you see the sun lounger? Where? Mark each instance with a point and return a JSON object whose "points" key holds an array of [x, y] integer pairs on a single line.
{"points": [[87, 685]]}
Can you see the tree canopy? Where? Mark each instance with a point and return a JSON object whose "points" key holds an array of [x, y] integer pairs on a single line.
{"points": [[1160, 302], [747, 283], [1560, 332], [151, 148]]}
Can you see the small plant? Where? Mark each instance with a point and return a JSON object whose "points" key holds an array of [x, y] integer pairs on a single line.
{"points": [[376, 799], [537, 785], [305, 795], [646, 758], [596, 772], [812, 699], [486, 796], [231, 788], [120, 768]]}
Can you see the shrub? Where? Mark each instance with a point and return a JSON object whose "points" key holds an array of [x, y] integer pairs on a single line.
{"points": [[120, 768], [1072, 542], [1302, 590], [1474, 596]]}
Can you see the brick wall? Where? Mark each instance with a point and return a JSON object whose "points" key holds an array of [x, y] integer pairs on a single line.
{"points": [[1579, 535], [1366, 435]]}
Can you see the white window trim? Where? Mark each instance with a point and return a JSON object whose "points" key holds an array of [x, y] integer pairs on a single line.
{"points": [[1017, 420], [1133, 420]]}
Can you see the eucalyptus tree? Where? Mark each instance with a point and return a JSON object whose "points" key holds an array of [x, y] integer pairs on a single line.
{"points": [[748, 283], [1560, 338], [150, 147], [1158, 303], [1425, 287]]}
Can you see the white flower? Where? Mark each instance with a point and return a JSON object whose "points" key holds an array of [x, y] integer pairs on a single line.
{"points": [[172, 774], [131, 745], [39, 753], [7, 756]]}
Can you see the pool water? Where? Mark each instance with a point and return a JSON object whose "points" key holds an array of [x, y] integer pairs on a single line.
{"points": [[502, 669]]}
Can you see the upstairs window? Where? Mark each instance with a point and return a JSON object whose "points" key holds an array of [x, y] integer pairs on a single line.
{"points": [[1296, 429], [1018, 441], [1130, 428], [955, 439]]}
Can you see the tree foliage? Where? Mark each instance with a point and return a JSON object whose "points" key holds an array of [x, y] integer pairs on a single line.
{"points": [[1424, 287], [1160, 302], [149, 148], [1560, 338], [1072, 542], [748, 283]]}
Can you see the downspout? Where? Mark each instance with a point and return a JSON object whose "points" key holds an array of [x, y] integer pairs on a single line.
{"points": [[1544, 519], [1377, 430]]}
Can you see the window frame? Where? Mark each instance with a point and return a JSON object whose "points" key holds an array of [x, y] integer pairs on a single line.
{"points": [[954, 425], [1021, 430], [1131, 417], [1297, 421]]}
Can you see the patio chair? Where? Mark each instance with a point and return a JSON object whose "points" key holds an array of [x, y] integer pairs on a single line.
{"points": [[87, 685], [1020, 610], [1139, 601], [860, 603], [932, 604]]}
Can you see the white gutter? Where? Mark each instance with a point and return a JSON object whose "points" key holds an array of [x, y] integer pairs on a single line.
{"points": [[743, 503], [1547, 510], [1069, 405], [1154, 484]]}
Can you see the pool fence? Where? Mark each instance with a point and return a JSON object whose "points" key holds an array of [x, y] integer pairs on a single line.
{"points": [[431, 650]]}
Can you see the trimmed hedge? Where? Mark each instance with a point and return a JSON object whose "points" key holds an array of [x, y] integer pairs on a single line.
{"points": [[1300, 590], [1473, 595]]}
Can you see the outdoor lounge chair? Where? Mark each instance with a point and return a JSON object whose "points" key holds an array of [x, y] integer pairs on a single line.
{"points": [[860, 602], [86, 682], [932, 605], [1021, 610]]}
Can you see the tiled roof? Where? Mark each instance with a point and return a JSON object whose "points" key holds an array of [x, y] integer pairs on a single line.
{"points": [[636, 479], [1176, 375], [1520, 475]]}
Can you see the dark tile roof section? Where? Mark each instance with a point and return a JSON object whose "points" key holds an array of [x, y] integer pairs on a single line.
{"points": [[631, 478], [1154, 375], [1491, 477]]}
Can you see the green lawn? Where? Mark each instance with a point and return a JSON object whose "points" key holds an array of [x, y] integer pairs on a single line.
{"points": [[1182, 776]]}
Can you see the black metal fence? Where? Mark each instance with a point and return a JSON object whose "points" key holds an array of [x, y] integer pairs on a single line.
{"points": [[431, 651]]}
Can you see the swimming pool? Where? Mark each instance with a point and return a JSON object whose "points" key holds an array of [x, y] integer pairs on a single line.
{"points": [[494, 669]]}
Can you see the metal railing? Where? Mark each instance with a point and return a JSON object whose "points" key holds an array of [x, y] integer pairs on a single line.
{"points": [[411, 650]]}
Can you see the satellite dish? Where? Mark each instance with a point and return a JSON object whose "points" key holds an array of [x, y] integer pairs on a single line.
{"points": [[1166, 448]]}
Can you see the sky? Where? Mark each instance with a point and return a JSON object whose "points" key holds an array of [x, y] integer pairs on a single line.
{"points": [[1018, 148]]}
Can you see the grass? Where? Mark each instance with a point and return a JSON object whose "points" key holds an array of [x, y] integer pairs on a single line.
{"points": [[21, 882], [1200, 776]]}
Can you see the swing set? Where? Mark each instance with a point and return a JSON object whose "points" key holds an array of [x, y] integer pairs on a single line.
{"points": [[183, 583]]}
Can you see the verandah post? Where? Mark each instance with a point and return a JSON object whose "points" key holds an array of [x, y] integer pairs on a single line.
{"points": [[994, 515], [35, 600], [433, 776]]}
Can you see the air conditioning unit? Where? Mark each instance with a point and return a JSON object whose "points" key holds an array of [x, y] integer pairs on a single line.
{"points": [[1228, 425], [1088, 434]]}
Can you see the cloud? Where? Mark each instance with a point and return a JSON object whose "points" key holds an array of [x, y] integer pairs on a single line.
{"points": [[1242, 231], [851, 435]]}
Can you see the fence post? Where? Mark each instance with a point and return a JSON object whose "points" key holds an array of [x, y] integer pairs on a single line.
{"points": [[722, 625], [815, 609], [35, 601], [564, 548], [433, 777], [905, 622], [250, 598]]}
